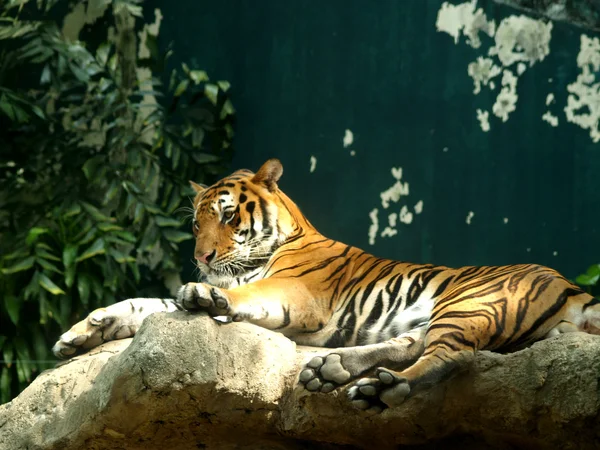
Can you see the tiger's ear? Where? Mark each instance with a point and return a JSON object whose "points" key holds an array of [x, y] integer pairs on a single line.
{"points": [[198, 187], [269, 174]]}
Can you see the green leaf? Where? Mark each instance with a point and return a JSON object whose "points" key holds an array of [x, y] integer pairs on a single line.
{"points": [[72, 210], [65, 307], [138, 215], [204, 158], [91, 166], [224, 85], [111, 192], [83, 287], [13, 307], [46, 76], [102, 53], [587, 280], [227, 110], [49, 266], [181, 87], [152, 209], [49, 285], [96, 213], [34, 233], [87, 237], [69, 255], [163, 221], [127, 236], [106, 227], [16, 254], [177, 236], [25, 264], [70, 275], [45, 254], [211, 91], [136, 271], [23, 364], [197, 137], [32, 288], [594, 270], [40, 345], [5, 380], [97, 248], [198, 76], [8, 354], [120, 257]]}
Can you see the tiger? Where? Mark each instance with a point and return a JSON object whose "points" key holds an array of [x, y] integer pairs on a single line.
{"points": [[393, 327]]}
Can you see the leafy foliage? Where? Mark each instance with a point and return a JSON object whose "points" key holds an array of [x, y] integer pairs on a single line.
{"points": [[590, 280], [92, 171]]}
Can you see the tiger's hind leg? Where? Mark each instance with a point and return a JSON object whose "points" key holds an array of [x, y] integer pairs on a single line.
{"points": [[340, 366], [443, 356]]}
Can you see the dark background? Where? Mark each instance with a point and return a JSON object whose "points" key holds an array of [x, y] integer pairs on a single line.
{"points": [[304, 71]]}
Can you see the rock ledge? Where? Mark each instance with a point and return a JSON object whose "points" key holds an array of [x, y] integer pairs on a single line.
{"points": [[188, 382]]}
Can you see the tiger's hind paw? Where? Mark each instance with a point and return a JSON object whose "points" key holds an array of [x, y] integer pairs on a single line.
{"points": [[386, 390], [99, 327], [364, 395], [325, 373]]}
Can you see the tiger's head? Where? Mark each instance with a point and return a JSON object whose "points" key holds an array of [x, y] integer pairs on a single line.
{"points": [[239, 222]]}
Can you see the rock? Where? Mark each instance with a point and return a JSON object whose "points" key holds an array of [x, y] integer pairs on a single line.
{"points": [[189, 382]]}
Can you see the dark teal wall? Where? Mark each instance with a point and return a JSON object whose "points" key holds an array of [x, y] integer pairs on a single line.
{"points": [[304, 71]]}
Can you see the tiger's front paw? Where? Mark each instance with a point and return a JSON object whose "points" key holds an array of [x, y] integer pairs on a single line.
{"points": [[99, 327], [201, 296]]}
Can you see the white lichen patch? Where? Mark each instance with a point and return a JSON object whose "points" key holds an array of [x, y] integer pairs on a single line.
{"points": [[555, 253], [374, 227], [583, 102], [465, 18], [405, 215], [348, 139], [393, 193], [352, 153], [505, 220], [483, 117], [470, 217], [445, 149], [389, 232], [482, 71], [518, 43], [506, 102], [521, 39], [419, 207], [313, 164], [550, 118], [392, 219]]}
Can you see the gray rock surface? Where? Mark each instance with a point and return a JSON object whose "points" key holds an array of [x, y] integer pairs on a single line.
{"points": [[188, 382]]}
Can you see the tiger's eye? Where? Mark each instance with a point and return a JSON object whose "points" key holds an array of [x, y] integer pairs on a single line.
{"points": [[228, 215]]}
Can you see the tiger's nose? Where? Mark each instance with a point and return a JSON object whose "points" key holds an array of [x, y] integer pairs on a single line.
{"points": [[206, 257]]}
